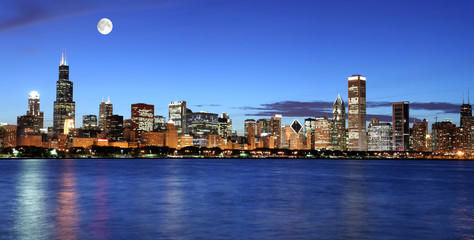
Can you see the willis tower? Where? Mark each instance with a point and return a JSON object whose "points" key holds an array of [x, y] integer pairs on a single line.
{"points": [[64, 106]]}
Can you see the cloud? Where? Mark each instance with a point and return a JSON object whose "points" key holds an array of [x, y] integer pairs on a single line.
{"points": [[322, 108], [20, 13], [430, 106]]}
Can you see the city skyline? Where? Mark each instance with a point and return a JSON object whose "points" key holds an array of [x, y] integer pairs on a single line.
{"points": [[218, 60]]}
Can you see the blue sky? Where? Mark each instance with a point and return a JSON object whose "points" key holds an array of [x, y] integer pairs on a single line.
{"points": [[248, 58]]}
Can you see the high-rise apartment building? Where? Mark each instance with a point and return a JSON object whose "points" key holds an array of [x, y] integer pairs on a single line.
{"points": [[177, 113], [105, 109], [253, 131], [338, 135], [420, 133], [276, 130], [401, 126], [444, 137], [296, 135], [64, 106], [357, 136], [224, 125], [160, 124]]}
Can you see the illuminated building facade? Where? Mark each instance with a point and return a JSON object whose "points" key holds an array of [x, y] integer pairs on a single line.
{"points": [[247, 123], [264, 127], [64, 106], [444, 137], [89, 121], [156, 139], [160, 124], [401, 126], [420, 133], [203, 123], [379, 136], [296, 135], [224, 125], [177, 113], [171, 135], [32, 122], [338, 135], [357, 136], [10, 136], [105, 109], [309, 125], [142, 117], [322, 133], [276, 130], [466, 111], [114, 128]]}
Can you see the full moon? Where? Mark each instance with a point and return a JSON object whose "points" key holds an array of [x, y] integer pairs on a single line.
{"points": [[104, 26]]}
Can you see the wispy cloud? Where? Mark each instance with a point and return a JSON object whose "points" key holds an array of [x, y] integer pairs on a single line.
{"points": [[322, 108], [20, 13]]}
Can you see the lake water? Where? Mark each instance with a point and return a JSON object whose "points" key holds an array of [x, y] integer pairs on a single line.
{"points": [[236, 199]]}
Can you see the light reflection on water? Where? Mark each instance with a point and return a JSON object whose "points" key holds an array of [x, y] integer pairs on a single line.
{"points": [[67, 216], [236, 199]]}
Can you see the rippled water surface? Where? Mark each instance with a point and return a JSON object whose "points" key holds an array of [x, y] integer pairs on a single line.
{"points": [[236, 199]]}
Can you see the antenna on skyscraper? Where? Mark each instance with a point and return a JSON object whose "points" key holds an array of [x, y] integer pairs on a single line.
{"points": [[468, 102], [463, 96]]}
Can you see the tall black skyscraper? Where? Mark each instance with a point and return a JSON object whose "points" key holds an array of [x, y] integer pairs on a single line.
{"points": [[64, 106], [466, 111]]}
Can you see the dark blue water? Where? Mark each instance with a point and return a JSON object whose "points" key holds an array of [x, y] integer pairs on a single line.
{"points": [[236, 199]]}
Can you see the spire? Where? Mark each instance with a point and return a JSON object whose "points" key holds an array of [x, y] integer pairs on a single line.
{"points": [[62, 59], [102, 98], [108, 99], [463, 97], [468, 102], [65, 56]]}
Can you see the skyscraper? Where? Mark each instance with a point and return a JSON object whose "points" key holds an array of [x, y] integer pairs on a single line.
{"points": [[89, 121], [142, 118], [177, 113], [379, 136], [276, 130], [106, 109], [420, 132], [64, 106], [225, 125], [338, 135], [466, 111], [32, 122], [401, 126], [253, 131], [357, 113]]}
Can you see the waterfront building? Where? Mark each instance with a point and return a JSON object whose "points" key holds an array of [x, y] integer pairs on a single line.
{"points": [[276, 130], [177, 113], [160, 124], [322, 133], [10, 136], [444, 137], [89, 121], [185, 141], [268, 142], [250, 137], [224, 125], [338, 135], [466, 111], [309, 125], [142, 118], [357, 113], [247, 124], [264, 127], [156, 139], [420, 134], [401, 126], [83, 142], [30, 140], [171, 135], [213, 140], [203, 123], [32, 122], [296, 135], [379, 136], [105, 109], [114, 129], [64, 106]]}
